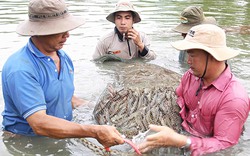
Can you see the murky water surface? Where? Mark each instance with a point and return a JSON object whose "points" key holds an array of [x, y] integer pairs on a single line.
{"points": [[158, 18]]}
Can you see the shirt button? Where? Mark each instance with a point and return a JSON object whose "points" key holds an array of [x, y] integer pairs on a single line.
{"points": [[55, 70], [48, 59], [192, 115]]}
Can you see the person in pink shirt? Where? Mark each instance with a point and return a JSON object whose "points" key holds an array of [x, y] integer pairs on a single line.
{"points": [[214, 105]]}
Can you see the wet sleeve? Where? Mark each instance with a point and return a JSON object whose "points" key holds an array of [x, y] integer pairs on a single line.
{"points": [[228, 126]]}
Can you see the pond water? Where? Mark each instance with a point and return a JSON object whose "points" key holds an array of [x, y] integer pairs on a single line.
{"points": [[158, 18]]}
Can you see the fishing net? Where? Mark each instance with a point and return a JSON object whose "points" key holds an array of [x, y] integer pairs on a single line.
{"points": [[143, 94]]}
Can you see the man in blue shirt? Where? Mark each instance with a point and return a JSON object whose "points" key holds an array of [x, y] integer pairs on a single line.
{"points": [[38, 79]]}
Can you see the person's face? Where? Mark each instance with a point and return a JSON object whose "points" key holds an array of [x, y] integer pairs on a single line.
{"points": [[51, 43], [197, 61], [124, 21]]}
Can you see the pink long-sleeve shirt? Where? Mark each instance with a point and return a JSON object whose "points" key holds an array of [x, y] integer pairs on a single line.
{"points": [[215, 117]]}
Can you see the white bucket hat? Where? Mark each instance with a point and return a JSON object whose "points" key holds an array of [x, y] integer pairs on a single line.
{"points": [[47, 17], [124, 5], [192, 16], [208, 37]]}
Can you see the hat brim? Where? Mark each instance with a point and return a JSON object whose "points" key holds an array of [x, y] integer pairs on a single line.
{"points": [[49, 27], [219, 53], [184, 28], [111, 16]]}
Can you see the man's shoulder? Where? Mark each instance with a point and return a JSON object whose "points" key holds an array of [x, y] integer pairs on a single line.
{"points": [[188, 77], [17, 57], [189, 73]]}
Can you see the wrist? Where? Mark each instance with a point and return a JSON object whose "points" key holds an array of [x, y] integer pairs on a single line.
{"points": [[188, 143], [91, 130], [140, 46]]}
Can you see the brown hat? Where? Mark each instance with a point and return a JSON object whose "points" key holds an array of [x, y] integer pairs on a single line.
{"points": [[208, 37], [123, 5], [47, 17], [192, 16]]}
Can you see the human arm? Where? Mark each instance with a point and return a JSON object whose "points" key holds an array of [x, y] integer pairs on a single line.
{"points": [[143, 44], [50, 126], [228, 128], [27, 98]]}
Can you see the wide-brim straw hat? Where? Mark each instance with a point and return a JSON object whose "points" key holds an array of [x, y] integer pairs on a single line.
{"points": [[47, 17], [208, 37], [192, 16], [124, 5]]}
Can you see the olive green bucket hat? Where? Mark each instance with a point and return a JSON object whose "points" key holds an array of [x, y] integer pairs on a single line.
{"points": [[192, 16], [124, 5]]}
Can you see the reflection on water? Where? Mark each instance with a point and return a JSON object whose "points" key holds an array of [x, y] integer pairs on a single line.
{"points": [[158, 18], [31, 146]]}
